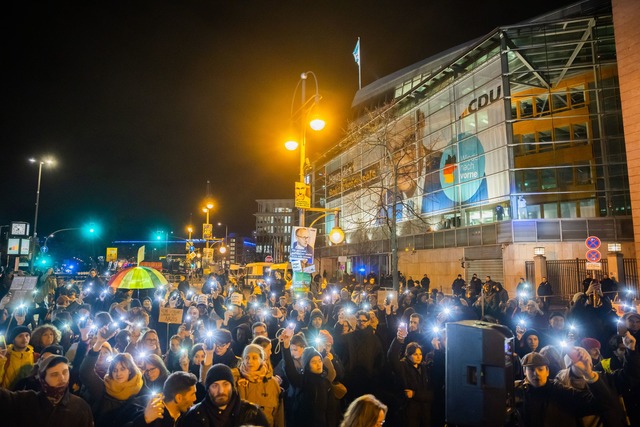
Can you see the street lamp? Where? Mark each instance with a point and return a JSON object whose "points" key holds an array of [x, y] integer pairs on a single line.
{"points": [[41, 163], [317, 124], [226, 231]]}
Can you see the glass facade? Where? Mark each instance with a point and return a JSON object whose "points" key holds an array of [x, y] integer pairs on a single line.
{"points": [[525, 124]]}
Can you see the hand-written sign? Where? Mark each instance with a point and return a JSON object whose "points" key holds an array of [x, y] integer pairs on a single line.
{"points": [[170, 315], [22, 289]]}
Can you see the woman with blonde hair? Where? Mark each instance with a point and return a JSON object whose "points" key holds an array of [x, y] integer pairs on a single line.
{"points": [[365, 411]]}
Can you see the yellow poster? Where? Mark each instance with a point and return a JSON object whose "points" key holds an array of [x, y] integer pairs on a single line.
{"points": [[112, 254], [302, 195]]}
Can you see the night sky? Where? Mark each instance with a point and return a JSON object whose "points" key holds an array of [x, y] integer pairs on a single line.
{"points": [[142, 102]]}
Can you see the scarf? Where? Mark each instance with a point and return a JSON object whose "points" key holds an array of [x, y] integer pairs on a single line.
{"points": [[54, 394], [125, 390], [254, 376]]}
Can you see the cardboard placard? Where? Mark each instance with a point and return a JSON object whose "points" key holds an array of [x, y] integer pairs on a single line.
{"points": [[170, 315], [22, 288]]}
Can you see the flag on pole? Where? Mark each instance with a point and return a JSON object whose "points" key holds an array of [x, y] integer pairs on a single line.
{"points": [[356, 52], [140, 255]]}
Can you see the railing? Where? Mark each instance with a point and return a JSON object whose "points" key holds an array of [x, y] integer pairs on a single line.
{"points": [[566, 276]]}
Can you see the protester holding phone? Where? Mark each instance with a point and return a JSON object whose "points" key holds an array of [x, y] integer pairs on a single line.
{"points": [[413, 372], [117, 399]]}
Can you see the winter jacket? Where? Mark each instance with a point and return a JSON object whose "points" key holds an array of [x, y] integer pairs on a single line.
{"points": [[309, 406], [416, 379], [265, 393], [554, 404], [240, 413], [28, 408], [107, 410], [18, 365]]}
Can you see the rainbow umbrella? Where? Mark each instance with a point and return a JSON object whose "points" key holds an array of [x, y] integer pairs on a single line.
{"points": [[138, 278]]}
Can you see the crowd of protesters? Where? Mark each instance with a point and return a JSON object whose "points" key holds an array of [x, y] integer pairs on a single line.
{"points": [[344, 354]]}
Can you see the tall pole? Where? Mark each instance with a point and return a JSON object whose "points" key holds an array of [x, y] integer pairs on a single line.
{"points": [[303, 76], [35, 221]]}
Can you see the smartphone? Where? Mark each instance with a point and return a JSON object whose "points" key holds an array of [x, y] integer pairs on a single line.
{"points": [[402, 326], [209, 343]]}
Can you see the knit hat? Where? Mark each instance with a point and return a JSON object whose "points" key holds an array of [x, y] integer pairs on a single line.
{"points": [[219, 372], [590, 343], [308, 354], [534, 360], [17, 331], [316, 312], [253, 348], [135, 303], [202, 299], [50, 362], [325, 336], [528, 333], [55, 350]]}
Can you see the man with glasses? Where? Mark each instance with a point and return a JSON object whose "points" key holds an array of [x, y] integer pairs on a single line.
{"points": [[302, 248]]}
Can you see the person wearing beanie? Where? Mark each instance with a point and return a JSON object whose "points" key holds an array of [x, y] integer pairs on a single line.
{"points": [[223, 407], [53, 405], [255, 383], [547, 401], [316, 320], [324, 345], [530, 342], [312, 386], [593, 346], [32, 382], [18, 361]]}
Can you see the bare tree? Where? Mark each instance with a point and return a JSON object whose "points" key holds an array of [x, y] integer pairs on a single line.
{"points": [[387, 201]]}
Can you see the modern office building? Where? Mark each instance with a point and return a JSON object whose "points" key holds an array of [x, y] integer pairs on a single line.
{"points": [[479, 156], [274, 222]]}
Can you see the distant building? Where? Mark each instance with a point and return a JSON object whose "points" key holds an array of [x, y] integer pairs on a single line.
{"points": [[274, 222], [242, 250]]}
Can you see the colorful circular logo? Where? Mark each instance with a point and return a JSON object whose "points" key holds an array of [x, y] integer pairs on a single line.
{"points": [[462, 168]]}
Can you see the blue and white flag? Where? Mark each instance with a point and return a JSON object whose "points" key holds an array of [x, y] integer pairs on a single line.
{"points": [[356, 52]]}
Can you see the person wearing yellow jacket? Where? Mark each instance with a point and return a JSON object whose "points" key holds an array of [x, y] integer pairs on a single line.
{"points": [[18, 361]]}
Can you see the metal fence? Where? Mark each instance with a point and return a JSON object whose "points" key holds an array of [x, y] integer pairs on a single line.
{"points": [[566, 276]]}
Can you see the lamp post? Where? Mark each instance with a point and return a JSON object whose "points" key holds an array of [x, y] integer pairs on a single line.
{"points": [[306, 105], [41, 163], [226, 232]]}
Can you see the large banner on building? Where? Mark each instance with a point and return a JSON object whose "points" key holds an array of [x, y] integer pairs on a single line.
{"points": [[448, 154]]}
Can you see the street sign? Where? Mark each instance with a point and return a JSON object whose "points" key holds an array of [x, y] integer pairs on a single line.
{"points": [[592, 242], [594, 266], [593, 255], [44, 249], [268, 258]]}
